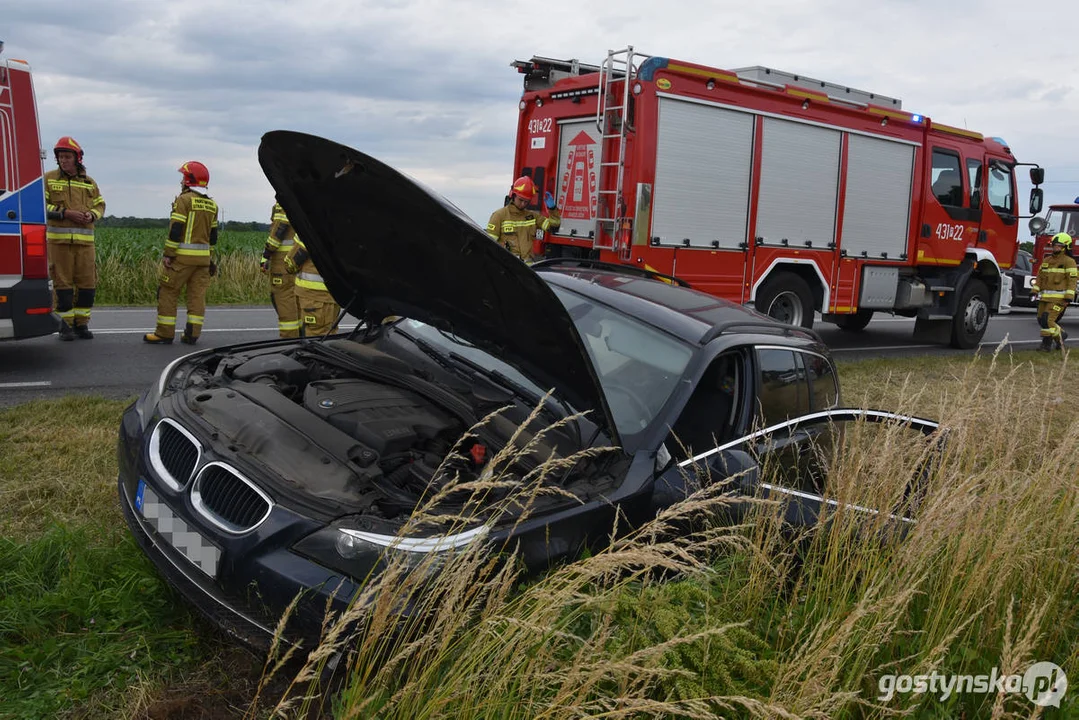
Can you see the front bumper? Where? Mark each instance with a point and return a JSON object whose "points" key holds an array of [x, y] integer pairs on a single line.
{"points": [[241, 583]]}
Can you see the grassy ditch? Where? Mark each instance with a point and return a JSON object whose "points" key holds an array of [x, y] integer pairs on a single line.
{"points": [[756, 623]]}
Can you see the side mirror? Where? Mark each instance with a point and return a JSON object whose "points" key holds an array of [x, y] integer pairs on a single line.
{"points": [[1036, 225], [1035, 198], [1037, 175]]}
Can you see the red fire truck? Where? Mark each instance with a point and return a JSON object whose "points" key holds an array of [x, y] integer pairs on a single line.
{"points": [[25, 291], [1062, 217], [778, 190]]}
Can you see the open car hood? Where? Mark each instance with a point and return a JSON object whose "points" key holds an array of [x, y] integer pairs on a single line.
{"points": [[385, 245]]}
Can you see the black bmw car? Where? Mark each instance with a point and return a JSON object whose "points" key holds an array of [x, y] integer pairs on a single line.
{"points": [[254, 473]]}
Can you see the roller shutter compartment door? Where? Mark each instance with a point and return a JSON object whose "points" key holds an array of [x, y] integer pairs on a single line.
{"points": [[876, 209], [703, 163], [799, 183]]}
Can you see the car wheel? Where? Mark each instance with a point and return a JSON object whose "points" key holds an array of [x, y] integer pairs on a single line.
{"points": [[854, 322], [787, 298], [972, 315]]}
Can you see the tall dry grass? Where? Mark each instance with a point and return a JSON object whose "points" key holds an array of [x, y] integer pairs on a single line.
{"points": [[754, 620]]}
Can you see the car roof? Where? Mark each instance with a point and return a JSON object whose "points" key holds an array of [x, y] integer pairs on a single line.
{"points": [[690, 315]]}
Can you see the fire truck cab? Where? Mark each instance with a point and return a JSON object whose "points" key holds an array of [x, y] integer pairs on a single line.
{"points": [[773, 189], [1062, 217], [25, 289]]}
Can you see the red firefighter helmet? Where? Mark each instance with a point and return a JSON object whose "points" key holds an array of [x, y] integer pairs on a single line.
{"points": [[195, 174], [68, 143], [524, 188]]}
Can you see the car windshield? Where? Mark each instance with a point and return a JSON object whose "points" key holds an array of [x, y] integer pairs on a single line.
{"points": [[638, 366]]}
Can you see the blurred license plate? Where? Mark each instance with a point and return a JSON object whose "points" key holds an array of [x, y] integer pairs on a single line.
{"points": [[175, 531]]}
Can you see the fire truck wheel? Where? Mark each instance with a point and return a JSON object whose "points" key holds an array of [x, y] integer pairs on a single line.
{"points": [[854, 322], [972, 315], [787, 298]]}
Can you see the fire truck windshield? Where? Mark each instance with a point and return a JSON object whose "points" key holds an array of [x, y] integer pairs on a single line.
{"points": [[1062, 221]]}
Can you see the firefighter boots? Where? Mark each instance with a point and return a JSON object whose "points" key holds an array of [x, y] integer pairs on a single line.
{"points": [[1047, 345], [66, 333], [188, 337], [83, 332], [156, 339]]}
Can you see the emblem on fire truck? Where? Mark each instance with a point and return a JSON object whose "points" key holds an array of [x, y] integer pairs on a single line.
{"points": [[578, 183]]}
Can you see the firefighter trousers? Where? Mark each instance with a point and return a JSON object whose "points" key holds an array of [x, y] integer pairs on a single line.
{"points": [[283, 299], [73, 271], [182, 275], [1048, 314], [318, 311]]}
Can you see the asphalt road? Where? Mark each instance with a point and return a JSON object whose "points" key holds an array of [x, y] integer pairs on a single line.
{"points": [[117, 364]]}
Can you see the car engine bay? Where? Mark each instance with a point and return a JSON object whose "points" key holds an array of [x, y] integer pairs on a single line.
{"points": [[353, 425]]}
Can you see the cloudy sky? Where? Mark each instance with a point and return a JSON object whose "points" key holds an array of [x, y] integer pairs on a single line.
{"points": [[426, 86]]}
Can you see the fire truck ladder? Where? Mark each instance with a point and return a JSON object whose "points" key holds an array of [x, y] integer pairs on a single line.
{"points": [[612, 122]]}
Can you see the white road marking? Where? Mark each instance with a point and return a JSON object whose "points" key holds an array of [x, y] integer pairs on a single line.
{"points": [[37, 383], [919, 347], [143, 331]]}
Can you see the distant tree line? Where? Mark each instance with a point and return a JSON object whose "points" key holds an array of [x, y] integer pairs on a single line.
{"points": [[137, 222]]}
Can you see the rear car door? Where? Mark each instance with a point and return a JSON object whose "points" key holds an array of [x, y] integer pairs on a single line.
{"points": [[790, 461]]}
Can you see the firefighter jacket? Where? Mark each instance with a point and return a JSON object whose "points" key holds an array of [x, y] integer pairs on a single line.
{"points": [[516, 229], [71, 192], [192, 228], [280, 240], [1056, 279], [299, 261]]}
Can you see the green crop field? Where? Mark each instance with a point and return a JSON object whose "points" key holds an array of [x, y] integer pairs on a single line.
{"points": [[129, 260]]}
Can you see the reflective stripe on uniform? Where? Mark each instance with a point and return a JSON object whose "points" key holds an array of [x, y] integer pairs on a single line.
{"points": [[311, 281], [287, 325], [511, 226], [70, 234], [195, 319], [166, 320], [192, 249]]}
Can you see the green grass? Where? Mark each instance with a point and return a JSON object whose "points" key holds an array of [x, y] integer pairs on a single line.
{"points": [[129, 262], [988, 578]]}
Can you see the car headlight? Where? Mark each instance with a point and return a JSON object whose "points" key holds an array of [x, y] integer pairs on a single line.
{"points": [[363, 553]]}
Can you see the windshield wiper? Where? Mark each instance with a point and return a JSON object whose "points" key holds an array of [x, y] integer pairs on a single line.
{"points": [[509, 384], [435, 354]]}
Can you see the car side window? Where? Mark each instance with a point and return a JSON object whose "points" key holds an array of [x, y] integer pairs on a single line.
{"points": [[823, 385], [783, 391], [711, 416]]}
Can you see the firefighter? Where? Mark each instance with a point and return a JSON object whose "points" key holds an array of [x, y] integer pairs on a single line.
{"points": [[318, 309], [73, 204], [519, 229], [188, 261], [1055, 286], [282, 283]]}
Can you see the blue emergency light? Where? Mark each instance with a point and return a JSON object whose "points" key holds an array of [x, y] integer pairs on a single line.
{"points": [[916, 118]]}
